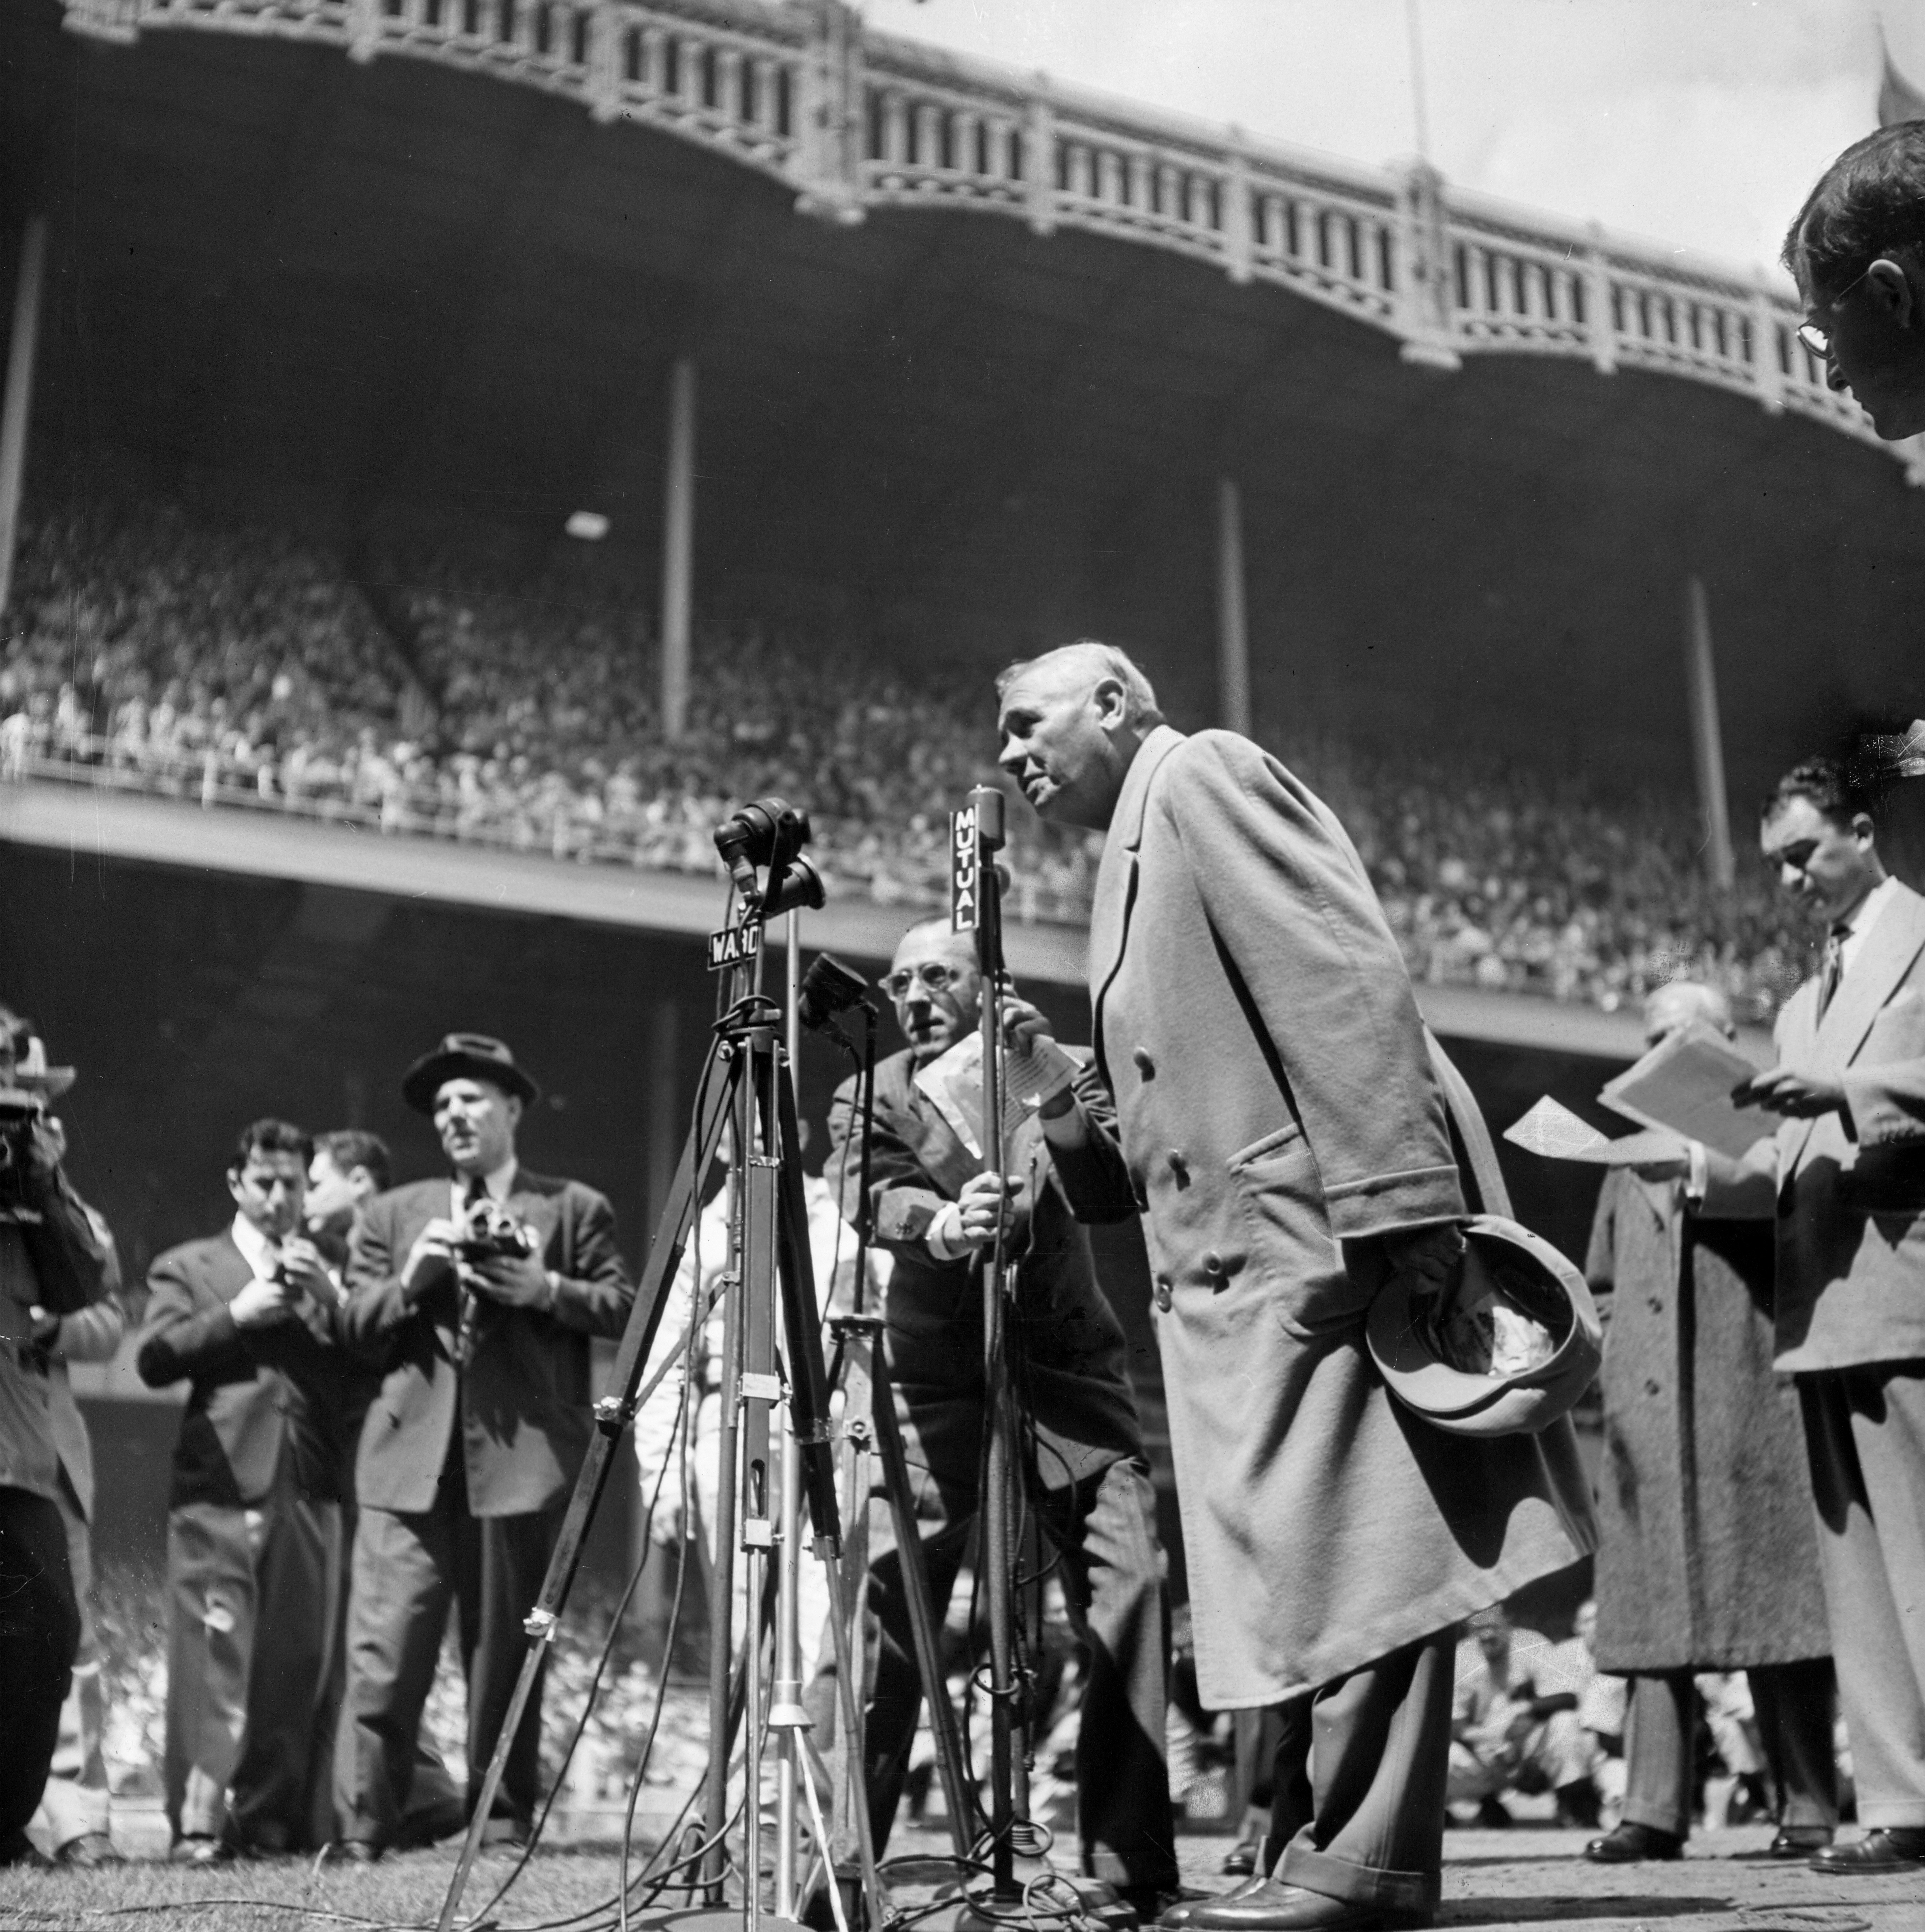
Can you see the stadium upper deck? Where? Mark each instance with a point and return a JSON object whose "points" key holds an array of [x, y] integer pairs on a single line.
{"points": [[387, 293]]}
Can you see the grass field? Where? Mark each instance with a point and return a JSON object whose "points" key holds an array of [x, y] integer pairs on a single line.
{"points": [[278, 1895]]}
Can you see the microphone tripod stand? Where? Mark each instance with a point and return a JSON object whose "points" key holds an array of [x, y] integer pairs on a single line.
{"points": [[745, 1081]]}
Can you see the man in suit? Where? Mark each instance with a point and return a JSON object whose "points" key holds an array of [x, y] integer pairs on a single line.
{"points": [[1294, 1140], [349, 1168], [934, 1210], [1706, 1560], [1845, 1175], [471, 1448], [52, 1262], [249, 1318], [1855, 252]]}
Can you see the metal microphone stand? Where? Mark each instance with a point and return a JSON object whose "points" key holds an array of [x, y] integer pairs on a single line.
{"points": [[982, 822], [745, 1079]]}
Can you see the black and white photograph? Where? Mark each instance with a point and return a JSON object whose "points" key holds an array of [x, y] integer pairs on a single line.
{"points": [[963, 965]]}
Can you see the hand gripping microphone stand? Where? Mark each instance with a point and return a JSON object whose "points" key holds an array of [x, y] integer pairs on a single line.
{"points": [[744, 1079]]}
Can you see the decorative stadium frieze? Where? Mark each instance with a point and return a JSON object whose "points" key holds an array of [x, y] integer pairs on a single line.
{"points": [[855, 121]]}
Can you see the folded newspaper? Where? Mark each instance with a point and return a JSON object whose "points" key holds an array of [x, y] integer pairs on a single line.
{"points": [[1551, 1129], [1031, 1075], [1684, 1084]]}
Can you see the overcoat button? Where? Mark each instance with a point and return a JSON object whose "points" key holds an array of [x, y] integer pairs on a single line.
{"points": [[1657, 1304], [1162, 1296], [1650, 1388], [1178, 1165], [1146, 1066], [1213, 1264]]}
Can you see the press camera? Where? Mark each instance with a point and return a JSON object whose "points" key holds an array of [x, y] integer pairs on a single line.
{"points": [[20, 1112], [489, 1233]]}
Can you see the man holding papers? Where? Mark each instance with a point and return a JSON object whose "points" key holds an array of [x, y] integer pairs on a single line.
{"points": [[1845, 1175], [935, 1209], [1706, 1557]]}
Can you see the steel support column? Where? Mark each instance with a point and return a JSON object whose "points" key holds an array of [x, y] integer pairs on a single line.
{"points": [[1232, 627], [17, 405], [1707, 740], [678, 548]]}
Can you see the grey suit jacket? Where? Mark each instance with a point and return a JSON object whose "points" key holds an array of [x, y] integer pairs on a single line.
{"points": [[1849, 1189]]}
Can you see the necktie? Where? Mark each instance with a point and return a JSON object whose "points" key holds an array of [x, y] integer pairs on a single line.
{"points": [[1832, 970], [464, 1334]]}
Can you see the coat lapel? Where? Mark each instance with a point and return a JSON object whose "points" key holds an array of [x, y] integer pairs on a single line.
{"points": [[1892, 943], [1116, 877], [1890, 947]]}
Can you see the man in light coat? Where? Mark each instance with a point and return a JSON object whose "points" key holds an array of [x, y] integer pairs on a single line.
{"points": [[1706, 1560], [1285, 1125], [1844, 1176]]}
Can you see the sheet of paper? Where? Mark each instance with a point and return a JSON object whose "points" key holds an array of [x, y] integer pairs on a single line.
{"points": [[953, 1082], [1551, 1129], [1684, 1083]]}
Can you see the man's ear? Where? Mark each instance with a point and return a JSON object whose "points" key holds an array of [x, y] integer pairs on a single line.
{"points": [[1888, 282], [1111, 702]]}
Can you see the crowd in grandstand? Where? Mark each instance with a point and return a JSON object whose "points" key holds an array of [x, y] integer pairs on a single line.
{"points": [[147, 649]]}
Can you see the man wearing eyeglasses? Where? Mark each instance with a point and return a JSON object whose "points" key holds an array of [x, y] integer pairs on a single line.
{"points": [[1858, 252], [1844, 1177], [935, 1210]]}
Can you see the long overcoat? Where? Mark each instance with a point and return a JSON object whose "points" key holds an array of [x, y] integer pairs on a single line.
{"points": [[1707, 1557], [1279, 1114]]}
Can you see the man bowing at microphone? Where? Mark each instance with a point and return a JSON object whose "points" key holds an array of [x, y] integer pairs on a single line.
{"points": [[1288, 1128]]}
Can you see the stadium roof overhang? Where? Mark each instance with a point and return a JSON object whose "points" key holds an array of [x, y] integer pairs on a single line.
{"points": [[386, 290]]}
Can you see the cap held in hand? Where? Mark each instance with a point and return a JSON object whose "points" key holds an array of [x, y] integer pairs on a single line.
{"points": [[1506, 1352]]}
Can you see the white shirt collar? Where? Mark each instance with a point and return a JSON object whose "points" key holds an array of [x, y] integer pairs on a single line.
{"points": [[1858, 927], [499, 1184], [257, 1250]]}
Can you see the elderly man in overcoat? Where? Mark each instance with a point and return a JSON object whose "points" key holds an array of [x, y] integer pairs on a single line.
{"points": [[1706, 1558], [1284, 1123], [1844, 1176]]}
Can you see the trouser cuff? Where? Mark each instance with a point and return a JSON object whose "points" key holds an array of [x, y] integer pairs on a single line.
{"points": [[1415, 1892], [1655, 1818], [1907, 1814], [1113, 1868]]}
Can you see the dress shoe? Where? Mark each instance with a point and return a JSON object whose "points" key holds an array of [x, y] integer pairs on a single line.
{"points": [[1890, 1849], [1799, 1841], [1275, 1907], [1629, 1844], [359, 1851], [506, 1834], [199, 1849], [1240, 1861], [19, 1851], [1186, 1908], [88, 1851]]}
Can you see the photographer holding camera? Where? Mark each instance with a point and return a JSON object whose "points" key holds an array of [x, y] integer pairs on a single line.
{"points": [[479, 1296], [250, 1318], [53, 1260]]}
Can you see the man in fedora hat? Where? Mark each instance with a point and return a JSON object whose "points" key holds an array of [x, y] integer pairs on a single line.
{"points": [[478, 1296]]}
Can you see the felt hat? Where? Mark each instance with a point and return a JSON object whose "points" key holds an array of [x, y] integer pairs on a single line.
{"points": [[466, 1056], [1504, 1259]]}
